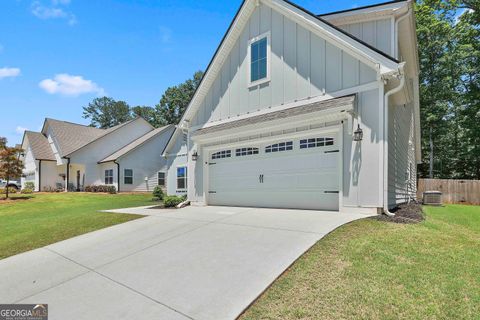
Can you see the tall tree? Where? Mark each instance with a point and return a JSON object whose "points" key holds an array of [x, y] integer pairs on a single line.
{"points": [[147, 113], [176, 99], [10, 164], [448, 36], [106, 112]]}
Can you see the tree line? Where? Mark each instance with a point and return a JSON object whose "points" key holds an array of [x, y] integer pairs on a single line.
{"points": [[106, 112], [449, 52]]}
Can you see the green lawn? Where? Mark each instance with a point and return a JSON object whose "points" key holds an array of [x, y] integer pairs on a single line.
{"points": [[377, 270], [48, 218]]}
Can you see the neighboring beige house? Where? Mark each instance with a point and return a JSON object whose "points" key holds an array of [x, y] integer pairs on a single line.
{"points": [[71, 156]]}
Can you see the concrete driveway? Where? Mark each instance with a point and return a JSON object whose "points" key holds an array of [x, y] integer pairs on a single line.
{"points": [[194, 263]]}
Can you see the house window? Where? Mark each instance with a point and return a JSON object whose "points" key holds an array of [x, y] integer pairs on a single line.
{"points": [[128, 176], [222, 154], [279, 147], [259, 56], [246, 152], [316, 143], [161, 179], [109, 176], [182, 178]]}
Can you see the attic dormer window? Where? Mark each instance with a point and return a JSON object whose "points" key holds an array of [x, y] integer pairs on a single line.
{"points": [[259, 51]]}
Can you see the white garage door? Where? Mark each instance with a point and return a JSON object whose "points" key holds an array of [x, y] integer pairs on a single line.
{"points": [[292, 173]]}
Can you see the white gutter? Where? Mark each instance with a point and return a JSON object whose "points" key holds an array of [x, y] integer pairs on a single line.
{"points": [[397, 89], [397, 23]]}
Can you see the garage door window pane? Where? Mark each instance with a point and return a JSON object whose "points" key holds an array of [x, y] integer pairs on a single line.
{"points": [[279, 147], [222, 154], [246, 152], [182, 178], [316, 143]]}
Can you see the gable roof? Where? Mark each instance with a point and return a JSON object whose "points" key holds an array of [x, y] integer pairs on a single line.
{"points": [[135, 144], [344, 40], [40, 146], [71, 136]]}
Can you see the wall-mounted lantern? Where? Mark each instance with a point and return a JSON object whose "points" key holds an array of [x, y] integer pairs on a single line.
{"points": [[195, 156], [358, 134]]}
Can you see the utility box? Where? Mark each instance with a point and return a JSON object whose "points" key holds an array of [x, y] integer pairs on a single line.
{"points": [[432, 198]]}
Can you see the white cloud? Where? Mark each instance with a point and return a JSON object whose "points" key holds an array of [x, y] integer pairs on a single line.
{"points": [[69, 85], [20, 130], [9, 72], [54, 11]]}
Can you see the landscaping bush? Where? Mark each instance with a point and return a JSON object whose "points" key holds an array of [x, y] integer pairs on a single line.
{"points": [[51, 189], [101, 189], [26, 191], [10, 190], [29, 185], [158, 193], [172, 201]]}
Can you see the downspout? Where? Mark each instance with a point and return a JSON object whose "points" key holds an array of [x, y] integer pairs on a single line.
{"points": [[39, 175], [393, 91], [68, 175], [397, 23], [118, 175]]}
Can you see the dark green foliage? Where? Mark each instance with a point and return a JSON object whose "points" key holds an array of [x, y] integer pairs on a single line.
{"points": [[106, 112], [176, 99], [158, 193], [146, 112], [449, 51], [172, 201]]}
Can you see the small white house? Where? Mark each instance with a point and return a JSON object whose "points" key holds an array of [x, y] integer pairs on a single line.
{"points": [[304, 111], [70, 156]]}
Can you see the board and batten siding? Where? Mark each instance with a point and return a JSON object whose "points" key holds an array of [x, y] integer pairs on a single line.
{"points": [[377, 33], [302, 65]]}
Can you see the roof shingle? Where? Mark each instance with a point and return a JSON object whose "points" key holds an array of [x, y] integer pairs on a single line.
{"points": [[40, 146], [282, 114]]}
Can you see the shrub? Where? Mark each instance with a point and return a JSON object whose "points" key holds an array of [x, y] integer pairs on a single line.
{"points": [[101, 189], [50, 189], [172, 201], [26, 191], [29, 185], [158, 193], [10, 190]]}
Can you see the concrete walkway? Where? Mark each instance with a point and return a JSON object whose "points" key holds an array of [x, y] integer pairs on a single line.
{"points": [[194, 263]]}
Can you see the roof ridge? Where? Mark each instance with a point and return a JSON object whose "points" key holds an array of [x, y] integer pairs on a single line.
{"points": [[361, 8], [73, 123]]}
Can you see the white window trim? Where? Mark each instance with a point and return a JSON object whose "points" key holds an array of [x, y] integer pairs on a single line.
{"points": [[266, 35], [186, 178], [112, 176]]}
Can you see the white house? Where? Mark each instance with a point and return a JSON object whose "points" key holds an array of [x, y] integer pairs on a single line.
{"points": [[275, 120], [70, 156]]}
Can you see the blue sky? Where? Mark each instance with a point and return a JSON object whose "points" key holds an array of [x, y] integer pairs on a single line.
{"points": [[58, 55]]}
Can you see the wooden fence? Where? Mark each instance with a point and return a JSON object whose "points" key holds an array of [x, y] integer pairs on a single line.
{"points": [[454, 191]]}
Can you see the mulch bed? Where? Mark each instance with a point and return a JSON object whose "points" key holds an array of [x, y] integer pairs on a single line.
{"points": [[407, 213]]}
